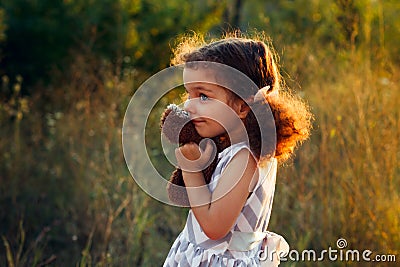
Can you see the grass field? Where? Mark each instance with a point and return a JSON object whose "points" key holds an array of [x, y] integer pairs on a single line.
{"points": [[67, 197]]}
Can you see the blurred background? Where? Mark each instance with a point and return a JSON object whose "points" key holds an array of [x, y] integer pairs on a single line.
{"points": [[69, 68]]}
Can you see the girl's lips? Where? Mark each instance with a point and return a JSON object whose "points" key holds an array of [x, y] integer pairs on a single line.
{"points": [[196, 121]]}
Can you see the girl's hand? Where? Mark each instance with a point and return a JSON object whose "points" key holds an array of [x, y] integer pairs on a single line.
{"points": [[191, 158]]}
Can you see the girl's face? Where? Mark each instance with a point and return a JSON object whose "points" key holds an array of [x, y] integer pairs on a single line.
{"points": [[213, 109]]}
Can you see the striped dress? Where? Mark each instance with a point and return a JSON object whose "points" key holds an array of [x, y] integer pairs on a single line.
{"points": [[193, 248]]}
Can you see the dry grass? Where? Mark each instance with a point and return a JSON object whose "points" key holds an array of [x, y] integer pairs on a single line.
{"points": [[344, 182], [63, 170]]}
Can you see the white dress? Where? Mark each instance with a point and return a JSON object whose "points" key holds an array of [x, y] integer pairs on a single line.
{"points": [[241, 246]]}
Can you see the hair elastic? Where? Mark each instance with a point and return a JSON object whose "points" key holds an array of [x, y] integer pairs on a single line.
{"points": [[261, 93]]}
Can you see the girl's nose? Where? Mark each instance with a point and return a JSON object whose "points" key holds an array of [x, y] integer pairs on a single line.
{"points": [[190, 106]]}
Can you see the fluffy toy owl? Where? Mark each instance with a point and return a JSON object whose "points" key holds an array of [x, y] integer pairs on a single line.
{"points": [[178, 129]]}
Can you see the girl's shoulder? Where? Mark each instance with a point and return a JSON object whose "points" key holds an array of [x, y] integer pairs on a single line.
{"points": [[226, 155], [224, 158], [232, 150]]}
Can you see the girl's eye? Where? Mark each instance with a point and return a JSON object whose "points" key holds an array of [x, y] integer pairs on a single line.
{"points": [[203, 97]]}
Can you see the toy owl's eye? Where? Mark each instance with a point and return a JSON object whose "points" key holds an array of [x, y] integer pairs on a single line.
{"points": [[203, 97]]}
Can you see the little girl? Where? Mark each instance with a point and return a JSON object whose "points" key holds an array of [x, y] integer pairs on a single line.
{"points": [[228, 220]]}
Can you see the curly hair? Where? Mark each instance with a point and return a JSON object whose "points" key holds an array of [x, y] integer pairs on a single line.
{"points": [[255, 57]]}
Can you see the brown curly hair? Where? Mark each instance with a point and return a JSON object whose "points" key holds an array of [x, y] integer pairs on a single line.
{"points": [[256, 58]]}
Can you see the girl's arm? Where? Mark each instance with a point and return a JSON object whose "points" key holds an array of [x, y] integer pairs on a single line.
{"points": [[218, 211]]}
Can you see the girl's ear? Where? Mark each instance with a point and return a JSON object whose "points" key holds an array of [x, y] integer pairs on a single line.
{"points": [[243, 109]]}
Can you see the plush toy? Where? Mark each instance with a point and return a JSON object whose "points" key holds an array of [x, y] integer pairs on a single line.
{"points": [[178, 129]]}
